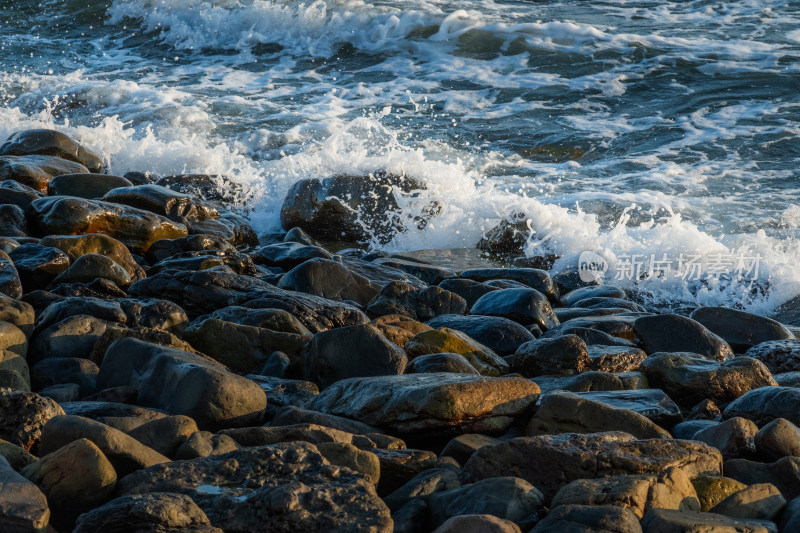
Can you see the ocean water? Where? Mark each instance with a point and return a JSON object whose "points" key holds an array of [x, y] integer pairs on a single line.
{"points": [[633, 129]]}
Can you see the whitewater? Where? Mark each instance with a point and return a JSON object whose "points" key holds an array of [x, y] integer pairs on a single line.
{"points": [[627, 128]]}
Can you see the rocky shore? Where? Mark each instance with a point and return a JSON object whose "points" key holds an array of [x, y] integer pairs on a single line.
{"points": [[166, 369]]}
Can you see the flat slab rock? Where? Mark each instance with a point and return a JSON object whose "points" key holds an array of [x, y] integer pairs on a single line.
{"points": [[439, 403], [284, 487], [549, 462]]}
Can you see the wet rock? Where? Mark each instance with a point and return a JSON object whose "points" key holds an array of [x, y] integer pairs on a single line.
{"points": [[783, 473], [89, 267], [380, 274], [440, 362], [440, 341], [52, 143], [551, 461], [10, 283], [589, 518], [155, 314], [400, 298], [124, 452], [593, 291], [713, 489], [739, 329], [733, 438], [501, 335], [283, 487], [165, 435], [72, 337], [555, 356], [162, 201], [567, 412], [216, 188], [38, 265], [149, 335], [165, 248], [205, 444], [36, 171], [271, 319], [671, 489], [651, 403], [243, 348], [780, 438], [438, 404], [14, 371], [57, 371], [22, 416], [349, 208], [74, 478], [200, 293], [762, 501], [431, 274], [12, 221], [604, 302], [779, 356], [399, 328], [287, 255], [480, 522], [182, 383], [614, 358], [468, 289], [532, 277], [666, 520], [526, 306], [585, 381], [76, 246], [142, 513], [14, 192], [85, 185], [23, 507], [765, 404], [136, 228], [351, 352], [705, 410], [674, 333], [690, 378], [283, 392], [329, 279], [615, 325]]}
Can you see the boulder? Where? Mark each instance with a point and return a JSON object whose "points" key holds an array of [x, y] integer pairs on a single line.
{"points": [[614, 358], [66, 215], [589, 518], [713, 489], [150, 335], [154, 314], [36, 171], [762, 501], [19, 313], [85, 185], [23, 415], [14, 192], [484, 523], [401, 298], [567, 412], [783, 473], [667, 521], [89, 267], [439, 341], [347, 455], [437, 404], [57, 371], [290, 415], [440, 362], [23, 507], [14, 372], [563, 355], [421, 485], [38, 265], [526, 306], [283, 487], [165, 435], [352, 352], [53, 143], [779, 356], [468, 289], [288, 255], [10, 283], [779, 438], [165, 248], [329, 279], [551, 461], [651, 403], [674, 333], [73, 337], [733, 438], [427, 272], [765, 404], [182, 383], [144, 513], [283, 392], [501, 335], [616, 325], [592, 381], [76, 246], [398, 467], [739, 329], [162, 201], [532, 277], [12, 221], [205, 444], [399, 328], [95, 307], [271, 319], [592, 291], [690, 378]]}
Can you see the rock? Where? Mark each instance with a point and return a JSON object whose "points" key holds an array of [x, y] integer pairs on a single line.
{"points": [[739, 329], [668, 521], [283, 487], [421, 485], [593, 291], [674, 333], [271, 319], [124, 452], [351, 352], [13, 339], [616, 325], [532, 277], [136, 228], [349, 208], [200, 293], [445, 340], [347, 455], [142, 513], [468, 289], [761, 502], [441, 362], [95, 307], [52, 143], [10, 283], [437, 404], [89, 267], [399, 329], [19, 313], [589, 518], [526, 306], [585, 381], [182, 383], [401, 298], [57, 371], [16, 456], [85, 185], [462, 447], [162, 201], [603, 302], [165, 248], [779, 356], [290, 415], [329, 279], [651, 403], [790, 520], [380, 274], [14, 192], [205, 444], [733, 438], [668, 490], [65, 392], [690, 378], [765, 404], [75, 477], [76, 246], [38, 265], [264, 435], [155, 314], [12, 221], [22, 416], [481, 522], [149, 335], [614, 358], [398, 467], [551, 461], [783, 473], [567, 412], [165, 435], [36, 171], [288, 255], [122, 417], [501, 335], [73, 337], [556, 356], [210, 187], [508, 498], [705, 410], [431, 274], [713, 489], [243, 348], [591, 336], [780, 438], [23, 507]]}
